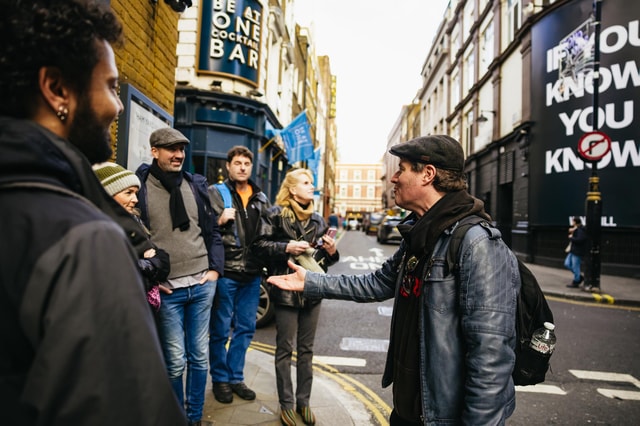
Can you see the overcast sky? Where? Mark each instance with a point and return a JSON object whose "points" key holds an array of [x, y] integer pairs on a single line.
{"points": [[376, 49]]}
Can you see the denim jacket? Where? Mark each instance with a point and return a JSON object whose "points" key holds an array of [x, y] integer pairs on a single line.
{"points": [[467, 327]]}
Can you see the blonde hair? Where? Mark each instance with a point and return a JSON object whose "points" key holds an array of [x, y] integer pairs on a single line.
{"points": [[284, 196]]}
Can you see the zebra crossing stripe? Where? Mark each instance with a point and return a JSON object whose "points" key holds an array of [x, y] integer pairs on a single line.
{"points": [[548, 389], [620, 394]]}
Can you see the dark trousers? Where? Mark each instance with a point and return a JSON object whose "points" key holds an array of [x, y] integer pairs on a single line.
{"points": [[395, 420], [298, 324]]}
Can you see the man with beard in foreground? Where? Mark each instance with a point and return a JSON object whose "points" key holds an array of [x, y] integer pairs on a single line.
{"points": [[79, 345]]}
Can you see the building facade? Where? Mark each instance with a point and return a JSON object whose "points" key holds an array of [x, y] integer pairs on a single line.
{"points": [[225, 73], [358, 189], [505, 79]]}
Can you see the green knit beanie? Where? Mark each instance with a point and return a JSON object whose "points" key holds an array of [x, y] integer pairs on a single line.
{"points": [[114, 177]]}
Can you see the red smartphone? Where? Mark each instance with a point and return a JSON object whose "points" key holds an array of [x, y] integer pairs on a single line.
{"points": [[331, 232]]}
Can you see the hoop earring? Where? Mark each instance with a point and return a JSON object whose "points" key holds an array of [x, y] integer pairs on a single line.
{"points": [[62, 113]]}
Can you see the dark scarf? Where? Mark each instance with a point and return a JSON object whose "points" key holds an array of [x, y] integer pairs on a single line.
{"points": [[171, 181], [421, 236]]}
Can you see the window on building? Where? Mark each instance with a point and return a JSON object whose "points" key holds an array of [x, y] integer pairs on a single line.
{"points": [[455, 42], [486, 46], [455, 88], [371, 175], [371, 192], [514, 18], [468, 19], [343, 175], [469, 70], [468, 134], [357, 191], [357, 175], [343, 190]]}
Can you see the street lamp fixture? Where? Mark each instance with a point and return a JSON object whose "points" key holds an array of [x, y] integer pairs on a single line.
{"points": [[482, 118]]}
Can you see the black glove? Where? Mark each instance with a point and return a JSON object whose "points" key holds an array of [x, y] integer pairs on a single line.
{"points": [[156, 269]]}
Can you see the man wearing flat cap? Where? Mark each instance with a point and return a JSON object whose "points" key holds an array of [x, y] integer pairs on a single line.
{"points": [[458, 370], [175, 207]]}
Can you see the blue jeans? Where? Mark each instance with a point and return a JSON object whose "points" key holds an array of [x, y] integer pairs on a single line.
{"points": [[572, 263], [235, 305], [183, 325]]}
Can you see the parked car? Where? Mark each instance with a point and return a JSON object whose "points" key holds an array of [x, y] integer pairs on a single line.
{"points": [[374, 222], [265, 312], [388, 229]]}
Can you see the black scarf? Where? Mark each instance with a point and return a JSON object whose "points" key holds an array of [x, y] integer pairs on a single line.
{"points": [[421, 236], [171, 181]]}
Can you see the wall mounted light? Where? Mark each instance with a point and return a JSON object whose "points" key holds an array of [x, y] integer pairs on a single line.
{"points": [[482, 118], [216, 85]]}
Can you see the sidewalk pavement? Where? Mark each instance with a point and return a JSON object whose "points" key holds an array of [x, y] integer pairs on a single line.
{"points": [[334, 402]]}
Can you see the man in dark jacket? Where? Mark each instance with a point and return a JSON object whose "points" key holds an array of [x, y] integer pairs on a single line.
{"points": [[174, 205], [79, 344], [238, 292], [458, 369]]}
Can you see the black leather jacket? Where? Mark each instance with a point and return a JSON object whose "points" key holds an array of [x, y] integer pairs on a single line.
{"points": [[272, 245], [238, 258]]}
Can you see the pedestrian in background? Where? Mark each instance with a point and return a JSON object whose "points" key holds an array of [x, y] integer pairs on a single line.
{"points": [[577, 249], [293, 229], [238, 292], [123, 185], [79, 344], [452, 339], [175, 207]]}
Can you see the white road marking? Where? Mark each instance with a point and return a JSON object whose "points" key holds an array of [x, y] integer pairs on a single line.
{"points": [[385, 311], [377, 251], [550, 389], [620, 394], [606, 376], [340, 360], [365, 345]]}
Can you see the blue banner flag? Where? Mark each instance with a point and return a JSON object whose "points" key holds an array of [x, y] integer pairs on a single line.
{"points": [[297, 139], [313, 163]]}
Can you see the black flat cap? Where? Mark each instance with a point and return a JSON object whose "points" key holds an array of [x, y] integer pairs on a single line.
{"points": [[442, 151], [167, 136]]}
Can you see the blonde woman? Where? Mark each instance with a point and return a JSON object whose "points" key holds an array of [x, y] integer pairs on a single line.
{"points": [[293, 231]]}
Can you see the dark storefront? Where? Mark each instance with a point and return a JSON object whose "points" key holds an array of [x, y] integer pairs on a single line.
{"points": [[534, 181], [215, 122]]}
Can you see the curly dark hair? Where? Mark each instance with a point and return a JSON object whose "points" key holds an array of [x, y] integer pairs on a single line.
{"points": [[55, 33]]}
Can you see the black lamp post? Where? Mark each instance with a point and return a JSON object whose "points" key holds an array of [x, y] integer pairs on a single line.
{"points": [[594, 198]]}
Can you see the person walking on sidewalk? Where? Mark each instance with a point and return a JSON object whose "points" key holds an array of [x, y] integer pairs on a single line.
{"points": [[79, 344], [174, 206], [238, 292], [452, 338], [577, 250], [293, 229]]}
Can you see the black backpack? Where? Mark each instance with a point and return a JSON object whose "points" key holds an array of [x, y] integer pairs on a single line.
{"points": [[531, 314]]}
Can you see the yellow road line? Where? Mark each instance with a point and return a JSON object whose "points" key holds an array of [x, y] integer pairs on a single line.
{"points": [[608, 305]]}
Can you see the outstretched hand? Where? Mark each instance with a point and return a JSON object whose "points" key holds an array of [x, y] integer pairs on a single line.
{"points": [[293, 281]]}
